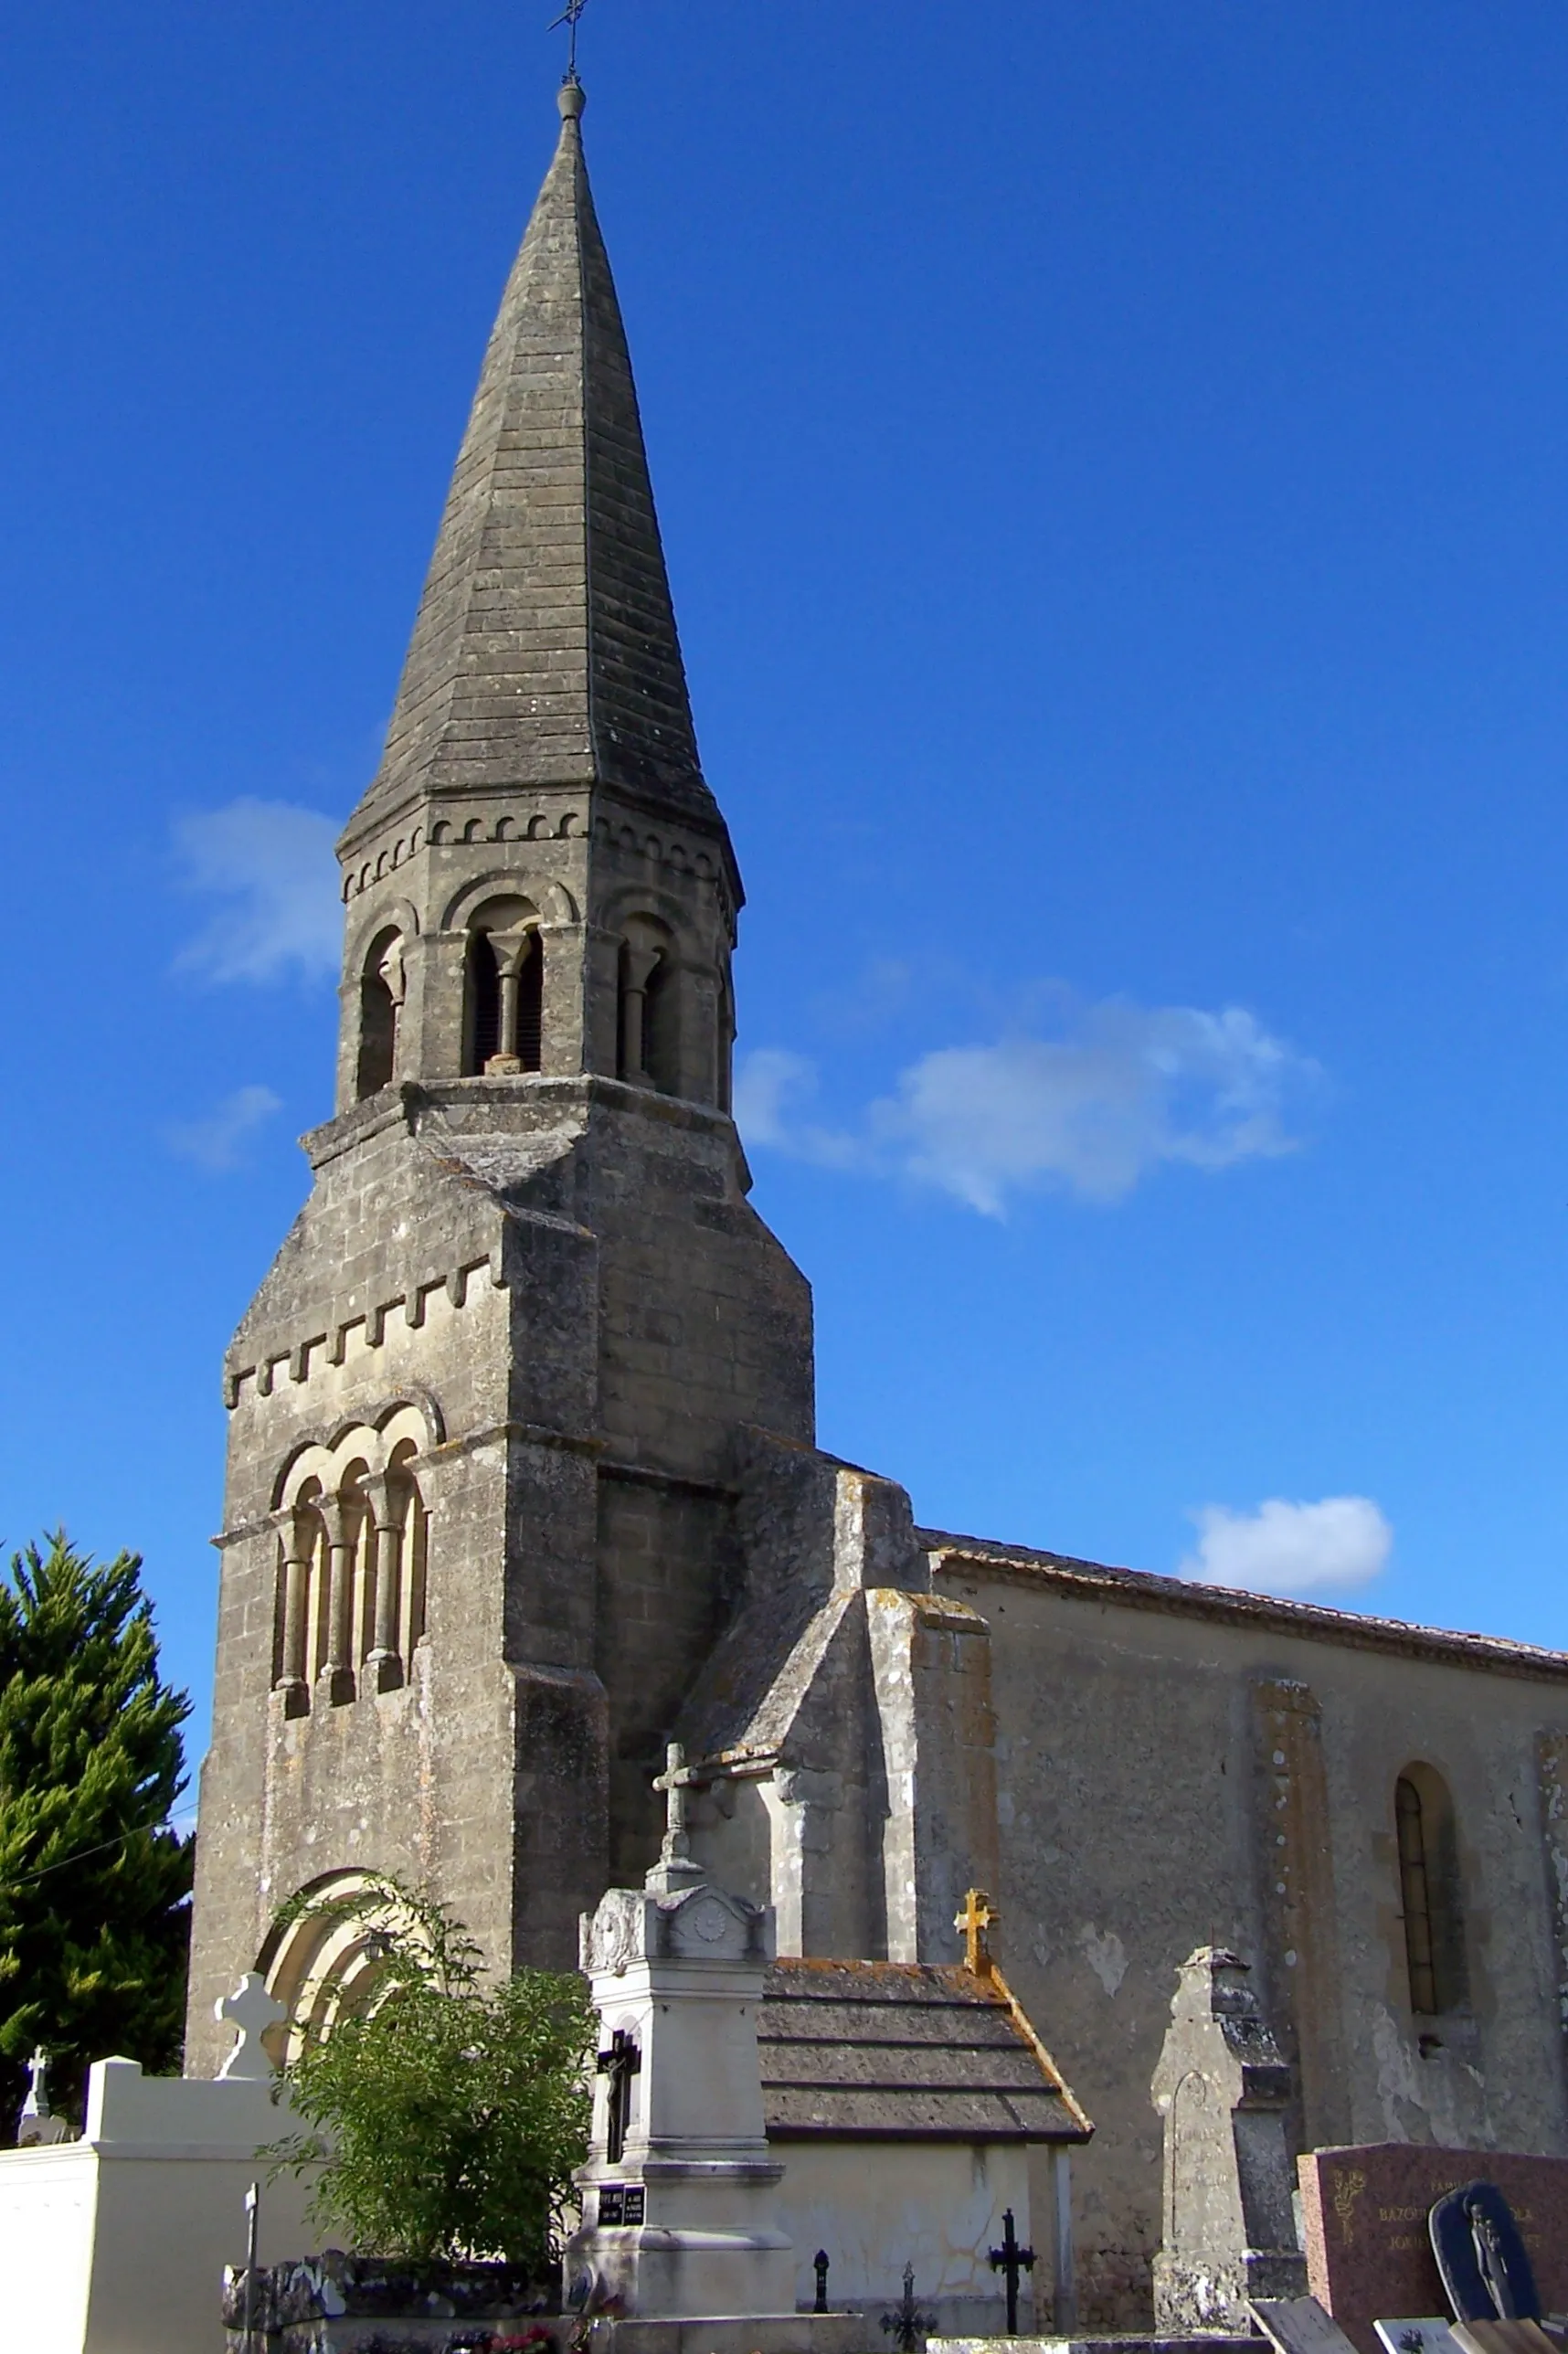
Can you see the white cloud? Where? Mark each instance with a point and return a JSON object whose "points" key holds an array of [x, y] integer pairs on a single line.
{"points": [[763, 1085], [1120, 1089], [271, 865], [217, 1142], [772, 1089], [1285, 1548]]}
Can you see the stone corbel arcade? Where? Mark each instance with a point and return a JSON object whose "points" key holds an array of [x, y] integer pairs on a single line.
{"points": [[352, 1565]]}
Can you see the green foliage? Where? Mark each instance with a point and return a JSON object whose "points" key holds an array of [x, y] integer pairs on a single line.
{"points": [[449, 2115], [94, 1926]]}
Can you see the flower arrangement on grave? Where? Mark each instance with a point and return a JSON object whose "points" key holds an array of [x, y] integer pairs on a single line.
{"points": [[448, 2114]]}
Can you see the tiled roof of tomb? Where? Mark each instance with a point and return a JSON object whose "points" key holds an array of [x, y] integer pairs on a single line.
{"points": [[905, 2051]]}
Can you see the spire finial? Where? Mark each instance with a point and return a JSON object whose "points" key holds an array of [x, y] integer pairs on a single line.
{"points": [[568, 17]]}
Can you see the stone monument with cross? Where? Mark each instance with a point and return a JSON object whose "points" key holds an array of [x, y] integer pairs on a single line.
{"points": [[679, 2192], [37, 2126], [251, 2011]]}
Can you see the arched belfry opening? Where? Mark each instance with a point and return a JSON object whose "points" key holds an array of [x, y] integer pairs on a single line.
{"points": [[503, 991], [1430, 1895], [648, 1050], [380, 1002], [661, 1026]]}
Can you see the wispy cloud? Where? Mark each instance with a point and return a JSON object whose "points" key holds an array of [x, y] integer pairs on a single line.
{"points": [[1119, 1089], [1283, 1548], [217, 1142], [270, 865], [774, 1091]]}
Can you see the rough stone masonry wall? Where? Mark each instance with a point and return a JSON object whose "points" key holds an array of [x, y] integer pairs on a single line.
{"points": [[1139, 1778], [569, 1279], [418, 1780]]}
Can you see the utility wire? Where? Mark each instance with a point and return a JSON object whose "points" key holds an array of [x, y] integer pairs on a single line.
{"points": [[25, 1879]]}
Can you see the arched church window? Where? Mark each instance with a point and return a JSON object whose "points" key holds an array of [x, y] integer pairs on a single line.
{"points": [[503, 991], [1429, 1892], [380, 1001]]}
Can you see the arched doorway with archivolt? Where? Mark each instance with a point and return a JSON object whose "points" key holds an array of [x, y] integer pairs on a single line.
{"points": [[328, 1957]]}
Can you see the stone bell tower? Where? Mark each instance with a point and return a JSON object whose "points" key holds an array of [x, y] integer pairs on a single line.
{"points": [[485, 1411]]}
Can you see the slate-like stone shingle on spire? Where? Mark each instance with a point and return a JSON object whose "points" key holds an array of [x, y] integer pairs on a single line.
{"points": [[545, 650]]}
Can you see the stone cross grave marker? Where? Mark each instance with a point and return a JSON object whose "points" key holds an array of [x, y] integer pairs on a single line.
{"points": [[37, 2126], [675, 1869], [250, 2011]]}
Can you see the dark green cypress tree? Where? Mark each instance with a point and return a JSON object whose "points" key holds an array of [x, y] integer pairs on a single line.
{"points": [[94, 1922]]}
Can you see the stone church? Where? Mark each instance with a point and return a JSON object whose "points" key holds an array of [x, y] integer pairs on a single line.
{"points": [[523, 1480]]}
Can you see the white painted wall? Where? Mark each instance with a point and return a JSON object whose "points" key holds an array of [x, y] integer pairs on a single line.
{"points": [[875, 2206], [116, 2243]]}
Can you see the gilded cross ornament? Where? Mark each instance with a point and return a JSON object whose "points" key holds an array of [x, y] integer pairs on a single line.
{"points": [[977, 1916]]}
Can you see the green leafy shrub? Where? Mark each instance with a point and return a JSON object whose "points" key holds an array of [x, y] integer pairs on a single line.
{"points": [[449, 2115]]}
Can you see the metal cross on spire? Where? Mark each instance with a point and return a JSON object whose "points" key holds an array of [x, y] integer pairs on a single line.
{"points": [[570, 16]]}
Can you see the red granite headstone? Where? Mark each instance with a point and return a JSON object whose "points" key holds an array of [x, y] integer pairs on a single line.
{"points": [[1369, 2257]]}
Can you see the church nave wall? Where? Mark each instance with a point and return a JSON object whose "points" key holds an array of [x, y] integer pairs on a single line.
{"points": [[1172, 1777]]}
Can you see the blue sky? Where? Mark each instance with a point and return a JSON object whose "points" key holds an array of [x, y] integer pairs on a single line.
{"points": [[1112, 461]]}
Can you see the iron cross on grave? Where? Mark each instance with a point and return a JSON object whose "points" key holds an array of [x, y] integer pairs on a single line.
{"points": [[906, 2325], [1011, 2260]]}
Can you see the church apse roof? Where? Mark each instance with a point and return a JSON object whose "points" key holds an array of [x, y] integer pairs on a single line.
{"points": [[544, 651], [905, 2051]]}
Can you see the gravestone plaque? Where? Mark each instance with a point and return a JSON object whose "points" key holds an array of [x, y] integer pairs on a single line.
{"points": [[1369, 2251], [1481, 2256], [1425, 2334]]}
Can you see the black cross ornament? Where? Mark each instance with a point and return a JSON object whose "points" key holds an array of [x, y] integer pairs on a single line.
{"points": [[620, 2063], [1011, 2260], [574, 9], [906, 2325]]}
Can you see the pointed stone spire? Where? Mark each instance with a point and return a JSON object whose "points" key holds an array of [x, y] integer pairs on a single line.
{"points": [[545, 651]]}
